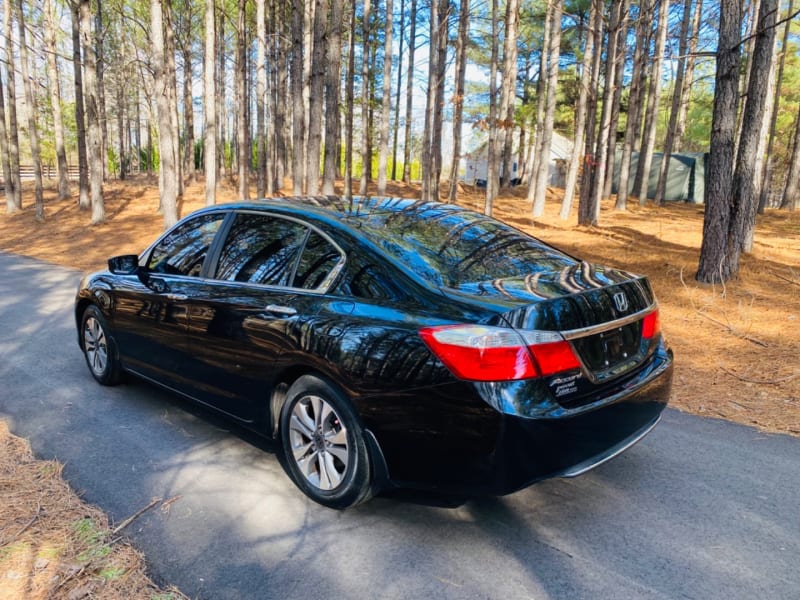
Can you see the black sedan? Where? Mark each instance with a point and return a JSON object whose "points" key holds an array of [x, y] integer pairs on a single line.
{"points": [[387, 342]]}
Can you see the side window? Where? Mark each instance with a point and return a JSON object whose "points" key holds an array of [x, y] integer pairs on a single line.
{"points": [[369, 280], [260, 249], [183, 250], [316, 263]]}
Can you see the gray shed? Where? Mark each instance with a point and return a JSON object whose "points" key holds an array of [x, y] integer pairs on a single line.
{"points": [[686, 180]]}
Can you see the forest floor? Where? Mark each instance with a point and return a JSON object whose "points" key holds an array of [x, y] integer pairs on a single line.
{"points": [[737, 345]]}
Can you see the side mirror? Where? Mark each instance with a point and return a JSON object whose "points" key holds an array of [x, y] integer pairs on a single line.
{"points": [[127, 264]]}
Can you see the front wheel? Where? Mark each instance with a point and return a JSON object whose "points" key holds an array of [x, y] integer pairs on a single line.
{"points": [[323, 444], [98, 348]]}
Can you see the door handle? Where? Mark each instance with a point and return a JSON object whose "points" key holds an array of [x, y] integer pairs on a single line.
{"points": [[281, 310], [177, 297]]}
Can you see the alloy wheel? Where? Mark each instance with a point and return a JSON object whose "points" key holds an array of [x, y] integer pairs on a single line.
{"points": [[95, 346], [318, 440]]}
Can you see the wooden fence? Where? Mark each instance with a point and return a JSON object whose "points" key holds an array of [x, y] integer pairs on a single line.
{"points": [[48, 172]]}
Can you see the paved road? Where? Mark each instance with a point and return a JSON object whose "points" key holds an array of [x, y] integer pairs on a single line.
{"points": [[700, 509]]}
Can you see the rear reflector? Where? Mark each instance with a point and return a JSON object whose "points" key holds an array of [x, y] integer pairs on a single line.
{"points": [[651, 325], [482, 353]]}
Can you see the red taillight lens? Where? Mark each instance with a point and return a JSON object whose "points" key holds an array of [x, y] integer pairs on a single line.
{"points": [[651, 325], [554, 357], [482, 353]]}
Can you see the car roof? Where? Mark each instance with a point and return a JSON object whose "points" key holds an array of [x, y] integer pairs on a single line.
{"points": [[341, 208]]}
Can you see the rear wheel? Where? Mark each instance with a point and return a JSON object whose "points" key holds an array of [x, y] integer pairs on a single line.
{"points": [[323, 444], [98, 348]]}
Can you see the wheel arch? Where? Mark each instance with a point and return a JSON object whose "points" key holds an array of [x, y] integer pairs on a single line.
{"points": [[80, 307], [280, 390]]}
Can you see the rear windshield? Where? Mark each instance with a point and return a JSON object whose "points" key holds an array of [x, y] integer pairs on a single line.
{"points": [[450, 247]]}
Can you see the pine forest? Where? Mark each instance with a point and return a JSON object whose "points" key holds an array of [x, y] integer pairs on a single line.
{"points": [[600, 98]]}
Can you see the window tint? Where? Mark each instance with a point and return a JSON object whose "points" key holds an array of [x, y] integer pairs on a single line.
{"points": [[317, 261], [370, 280], [183, 250], [261, 249], [451, 247]]}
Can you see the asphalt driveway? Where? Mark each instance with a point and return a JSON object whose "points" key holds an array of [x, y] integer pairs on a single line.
{"points": [[700, 509]]}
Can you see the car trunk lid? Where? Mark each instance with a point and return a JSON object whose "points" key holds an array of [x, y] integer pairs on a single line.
{"points": [[600, 311]]}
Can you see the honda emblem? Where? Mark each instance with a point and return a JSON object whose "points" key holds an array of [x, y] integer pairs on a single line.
{"points": [[621, 301]]}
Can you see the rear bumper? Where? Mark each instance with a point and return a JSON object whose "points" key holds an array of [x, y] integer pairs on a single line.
{"points": [[481, 451]]}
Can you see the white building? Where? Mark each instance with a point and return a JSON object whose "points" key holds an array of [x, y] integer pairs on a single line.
{"points": [[476, 163]]}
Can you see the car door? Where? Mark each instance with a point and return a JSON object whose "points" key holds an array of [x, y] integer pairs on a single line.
{"points": [[267, 282], [151, 309]]}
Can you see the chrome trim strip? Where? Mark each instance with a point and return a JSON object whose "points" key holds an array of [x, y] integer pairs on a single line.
{"points": [[593, 329], [591, 463]]}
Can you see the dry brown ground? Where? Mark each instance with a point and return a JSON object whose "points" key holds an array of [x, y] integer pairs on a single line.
{"points": [[737, 346], [737, 351], [53, 545]]}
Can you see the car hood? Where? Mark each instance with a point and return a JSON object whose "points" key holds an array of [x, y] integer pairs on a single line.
{"points": [[580, 295]]}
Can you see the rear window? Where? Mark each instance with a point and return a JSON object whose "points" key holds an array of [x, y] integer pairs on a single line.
{"points": [[450, 247]]}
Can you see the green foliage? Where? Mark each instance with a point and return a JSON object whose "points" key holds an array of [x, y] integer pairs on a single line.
{"points": [[92, 538], [113, 160]]}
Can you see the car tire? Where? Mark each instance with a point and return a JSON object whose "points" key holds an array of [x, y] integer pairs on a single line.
{"points": [[98, 347], [323, 443]]}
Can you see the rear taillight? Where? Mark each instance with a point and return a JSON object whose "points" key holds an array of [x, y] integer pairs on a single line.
{"points": [[651, 325], [483, 353]]}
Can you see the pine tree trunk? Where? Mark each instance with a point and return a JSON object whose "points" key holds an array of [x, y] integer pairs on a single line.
{"points": [[791, 192], [580, 119], [680, 128], [370, 133], [172, 90], [766, 182], [383, 149], [746, 176], [308, 66], [242, 145], [261, 91], [188, 116], [33, 129], [13, 183], [619, 71], [588, 210], [319, 57], [491, 150], [541, 102], [677, 95], [616, 23], [653, 101], [412, 46], [222, 117], [210, 106], [751, 10], [101, 89], [4, 153], [332, 84], [168, 188], [537, 192], [94, 140], [349, 106], [714, 265], [508, 93], [366, 154], [273, 118], [84, 199], [442, 37], [636, 100], [55, 102], [298, 114], [121, 133], [458, 99], [398, 95]]}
